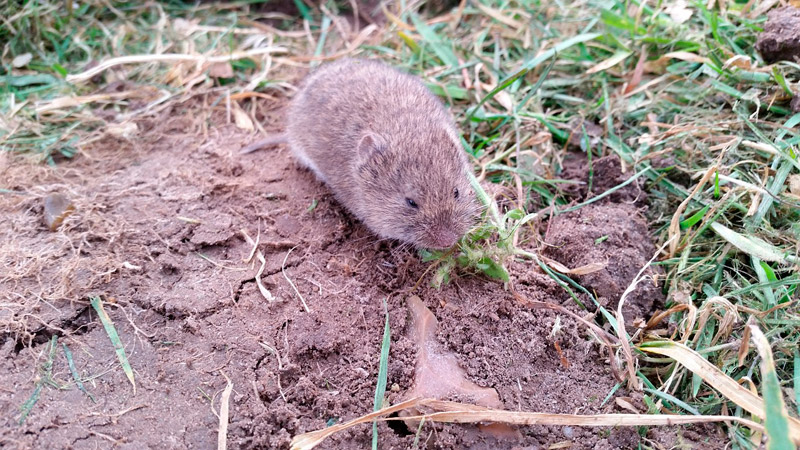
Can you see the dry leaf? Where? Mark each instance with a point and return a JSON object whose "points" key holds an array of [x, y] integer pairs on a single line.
{"points": [[504, 99], [794, 183], [625, 403], [660, 65], [71, 101], [717, 379], [125, 130], [498, 16], [185, 27], [176, 74], [241, 118], [686, 56], [22, 60], [763, 8], [674, 225], [56, 208], [610, 62], [501, 97], [221, 70], [582, 270], [741, 61], [679, 12], [256, 252], [636, 78]]}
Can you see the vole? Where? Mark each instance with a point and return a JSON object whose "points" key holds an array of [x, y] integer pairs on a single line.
{"points": [[387, 148]]}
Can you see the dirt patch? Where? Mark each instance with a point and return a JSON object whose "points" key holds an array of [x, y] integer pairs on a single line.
{"points": [[155, 232], [611, 231], [780, 40], [597, 177], [616, 236]]}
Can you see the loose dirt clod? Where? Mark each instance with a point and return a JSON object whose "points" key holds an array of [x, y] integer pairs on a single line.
{"points": [[610, 232], [780, 40], [614, 234]]}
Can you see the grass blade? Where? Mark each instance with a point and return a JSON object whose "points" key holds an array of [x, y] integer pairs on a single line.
{"points": [[304, 11], [691, 221], [717, 379], [751, 245], [797, 379], [453, 412], [74, 371], [630, 180], [439, 47], [97, 304], [46, 376], [448, 91], [224, 406], [673, 399], [779, 180], [530, 65], [383, 368], [26, 407], [777, 420], [326, 25]]}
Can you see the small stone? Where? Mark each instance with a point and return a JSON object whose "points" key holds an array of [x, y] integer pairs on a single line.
{"points": [[56, 208]]}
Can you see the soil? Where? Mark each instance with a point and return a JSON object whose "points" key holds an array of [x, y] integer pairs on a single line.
{"points": [[780, 40], [155, 232]]}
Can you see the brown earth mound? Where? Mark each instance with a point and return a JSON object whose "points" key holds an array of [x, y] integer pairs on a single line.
{"points": [[156, 233]]}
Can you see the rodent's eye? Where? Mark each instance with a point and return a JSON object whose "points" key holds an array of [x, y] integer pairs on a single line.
{"points": [[412, 203], [455, 192]]}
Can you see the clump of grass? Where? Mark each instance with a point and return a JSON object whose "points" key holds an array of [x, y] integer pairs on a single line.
{"points": [[182, 50], [45, 377]]}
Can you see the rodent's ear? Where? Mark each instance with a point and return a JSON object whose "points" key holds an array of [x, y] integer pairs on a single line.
{"points": [[369, 145]]}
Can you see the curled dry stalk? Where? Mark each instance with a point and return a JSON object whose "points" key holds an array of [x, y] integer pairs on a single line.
{"points": [[453, 412]]}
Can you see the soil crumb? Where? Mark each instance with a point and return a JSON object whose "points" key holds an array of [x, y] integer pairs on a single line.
{"points": [[780, 40]]}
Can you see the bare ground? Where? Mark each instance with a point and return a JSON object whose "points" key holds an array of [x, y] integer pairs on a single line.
{"points": [[156, 233]]}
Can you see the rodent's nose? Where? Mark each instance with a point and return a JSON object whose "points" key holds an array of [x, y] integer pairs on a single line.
{"points": [[443, 237]]}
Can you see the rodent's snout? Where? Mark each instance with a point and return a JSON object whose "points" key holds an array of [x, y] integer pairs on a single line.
{"points": [[442, 237]]}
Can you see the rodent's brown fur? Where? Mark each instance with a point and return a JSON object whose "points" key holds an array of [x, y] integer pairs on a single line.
{"points": [[378, 137]]}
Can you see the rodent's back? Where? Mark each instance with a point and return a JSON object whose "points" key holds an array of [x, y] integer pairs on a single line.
{"points": [[339, 103]]}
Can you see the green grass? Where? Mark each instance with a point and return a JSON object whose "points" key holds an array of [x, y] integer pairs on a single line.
{"points": [[736, 236], [383, 368], [111, 331], [45, 377]]}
